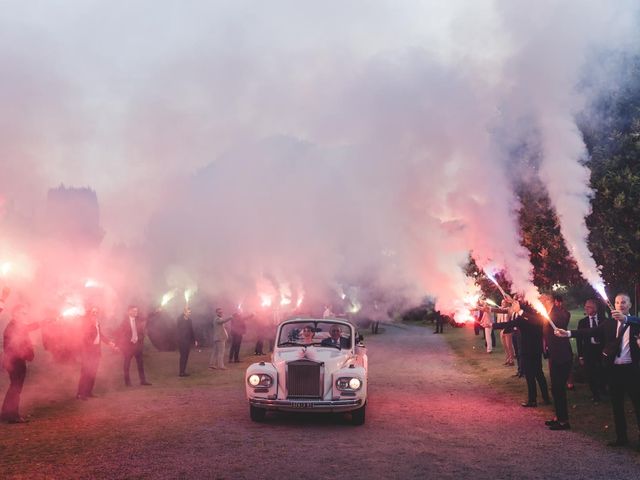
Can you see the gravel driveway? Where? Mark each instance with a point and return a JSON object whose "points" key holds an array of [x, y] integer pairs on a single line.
{"points": [[426, 419]]}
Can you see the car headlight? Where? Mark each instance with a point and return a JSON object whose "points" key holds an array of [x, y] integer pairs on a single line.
{"points": [[260, 380], [348, 383], [355, 383]]}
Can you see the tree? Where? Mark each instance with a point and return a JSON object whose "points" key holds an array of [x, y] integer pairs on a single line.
{"points": [[613, 141], [549, 255]]}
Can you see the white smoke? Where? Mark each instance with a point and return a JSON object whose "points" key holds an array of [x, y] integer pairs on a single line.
{"points": [[287, 147]]}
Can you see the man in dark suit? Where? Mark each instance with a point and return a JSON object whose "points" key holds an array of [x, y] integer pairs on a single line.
{"points": [[186, 338], [560, 360], [18, 350], [92, 337], [238, 329], [530, 324], [590, 350], [336, 339], [621, 356], [131, 343]]}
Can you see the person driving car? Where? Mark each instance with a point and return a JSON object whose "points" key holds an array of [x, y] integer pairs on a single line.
{"points": [[336, 339]]}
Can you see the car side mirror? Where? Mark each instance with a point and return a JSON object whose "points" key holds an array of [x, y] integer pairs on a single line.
{"points": [[360, 340]]}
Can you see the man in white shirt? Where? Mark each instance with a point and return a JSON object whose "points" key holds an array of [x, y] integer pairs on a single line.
{"points": [[621, 352]]}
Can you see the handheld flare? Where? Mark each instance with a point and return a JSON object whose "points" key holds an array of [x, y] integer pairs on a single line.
{"points": [[495, 282], [603, 293], [188, 294], [166, 298], [5, 268]]}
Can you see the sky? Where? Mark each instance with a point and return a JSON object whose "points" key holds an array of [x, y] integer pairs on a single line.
{"points": [[308, 145]]}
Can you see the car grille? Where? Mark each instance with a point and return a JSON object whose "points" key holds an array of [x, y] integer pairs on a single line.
{"points": [[303, 379]]}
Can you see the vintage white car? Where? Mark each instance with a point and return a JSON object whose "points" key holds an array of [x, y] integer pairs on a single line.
{"points": [[318, 365]]}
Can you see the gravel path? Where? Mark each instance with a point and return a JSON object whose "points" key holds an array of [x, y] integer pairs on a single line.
{"points": [[426, 419]]}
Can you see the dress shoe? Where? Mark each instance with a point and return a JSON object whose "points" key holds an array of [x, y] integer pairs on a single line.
{"points": [[212, 367], [15, 420], [560, 426], [548, 423], [618, 443], [183, 375], [547, 402], [145, 383], [81, 397], [127, 384], [529, 404]]}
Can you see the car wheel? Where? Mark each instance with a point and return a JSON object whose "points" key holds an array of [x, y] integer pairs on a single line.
{"points": [[358, 416], [257, 414]]}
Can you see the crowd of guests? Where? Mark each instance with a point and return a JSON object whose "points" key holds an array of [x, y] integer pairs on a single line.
{"points": [[608, 348], [128, 339]]}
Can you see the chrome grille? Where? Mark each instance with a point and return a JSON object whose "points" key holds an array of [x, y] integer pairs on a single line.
{"points": [[303, 379]]}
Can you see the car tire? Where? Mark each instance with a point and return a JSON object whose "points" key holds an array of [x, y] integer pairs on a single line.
{"points": [[358, 416], [257, 414]]}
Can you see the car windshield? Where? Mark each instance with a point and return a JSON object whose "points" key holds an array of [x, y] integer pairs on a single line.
{"points": [[315, 333]]}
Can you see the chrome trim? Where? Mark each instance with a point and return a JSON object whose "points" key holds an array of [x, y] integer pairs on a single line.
{"points": [[264, 402]]}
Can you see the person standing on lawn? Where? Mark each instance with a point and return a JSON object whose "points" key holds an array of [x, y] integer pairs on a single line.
{"points": [[621, 356]]}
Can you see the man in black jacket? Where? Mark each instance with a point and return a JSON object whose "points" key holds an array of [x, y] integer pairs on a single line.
{"points": [[131, 343], [336, 339], [238, 329], [530, 325], [18, 350], [590, 349], [92, 337], [186, 338], [621, 355], [560, 360]]}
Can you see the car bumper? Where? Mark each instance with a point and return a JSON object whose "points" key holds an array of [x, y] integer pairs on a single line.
{"points": [[308, 405]]}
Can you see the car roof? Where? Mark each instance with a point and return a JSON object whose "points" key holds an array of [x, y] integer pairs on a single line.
{"points": [[340, 321]]}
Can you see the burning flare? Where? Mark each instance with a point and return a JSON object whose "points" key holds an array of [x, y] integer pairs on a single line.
{"points": [[598, 286], [167, 297], [189, 293], [355, 306], [91, 283], [265, 300], [285, 300], [73, 311], [5, 268]]}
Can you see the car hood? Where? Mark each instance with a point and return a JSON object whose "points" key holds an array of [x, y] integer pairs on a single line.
{"points": [[332, 358]]}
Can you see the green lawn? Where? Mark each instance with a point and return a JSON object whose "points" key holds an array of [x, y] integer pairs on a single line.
{"points": [[585, 417]]}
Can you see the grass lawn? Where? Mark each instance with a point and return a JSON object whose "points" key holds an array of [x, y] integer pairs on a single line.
{"points": [[585, 417]]}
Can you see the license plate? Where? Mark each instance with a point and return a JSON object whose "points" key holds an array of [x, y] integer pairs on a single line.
{"points": [[302, 404]]}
